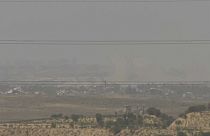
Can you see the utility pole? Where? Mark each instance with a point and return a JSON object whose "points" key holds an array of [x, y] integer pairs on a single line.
{"points": [[105, 83], [143, 114]]}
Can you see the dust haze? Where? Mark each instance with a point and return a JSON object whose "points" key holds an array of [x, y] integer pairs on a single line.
{"points": [[106, 23], [124, 62]]}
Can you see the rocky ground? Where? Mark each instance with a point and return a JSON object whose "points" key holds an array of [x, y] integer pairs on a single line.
{"points": [[82, 132], [55, 132], [147, 132], [196, 121]]}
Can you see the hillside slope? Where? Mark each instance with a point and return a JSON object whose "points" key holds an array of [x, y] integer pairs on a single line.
{"points": [[195, 121]]}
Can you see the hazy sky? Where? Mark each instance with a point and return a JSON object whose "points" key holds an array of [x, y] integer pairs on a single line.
{"points": [[144, 21]]}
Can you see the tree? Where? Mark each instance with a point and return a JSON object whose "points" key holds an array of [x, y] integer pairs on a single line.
{"points": [[53, 125], [99, 119], [197, 108], [109, 124], [205, 134], [130, 120], [75, 117], [66, 117], [118, 126], [167, 120], [57, 116], [139, 120], [180, 133], [153, 111]]}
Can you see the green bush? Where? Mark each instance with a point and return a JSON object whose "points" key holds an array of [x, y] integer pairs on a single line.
{"points": [[53, 125], [57, 116], [197, 108], [180, 133], [109, 124], [129, 120], [167, 120], [99, 119], [205, 134], [66, 117], [118, 125], [139, 121], [75, 117], [153, 111]]}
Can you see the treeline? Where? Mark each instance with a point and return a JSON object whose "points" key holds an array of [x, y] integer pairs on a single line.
{"points": [[196, 108], [127, 120]]}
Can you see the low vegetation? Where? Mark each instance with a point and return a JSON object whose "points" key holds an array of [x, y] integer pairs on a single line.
{"points": [[166, 119], [152, 123]]}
